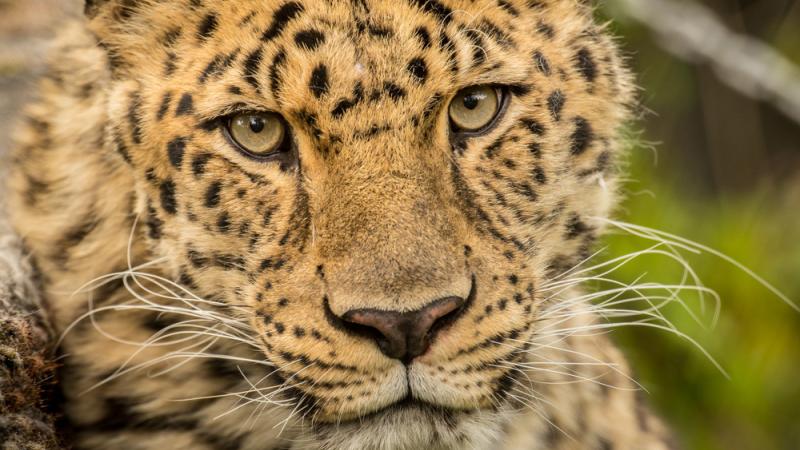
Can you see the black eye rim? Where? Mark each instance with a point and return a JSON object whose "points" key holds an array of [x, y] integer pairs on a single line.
{"points": [[458, 135], [286, 147]]}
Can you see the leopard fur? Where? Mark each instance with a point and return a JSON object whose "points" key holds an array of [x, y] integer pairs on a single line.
{"points": [[123, 167]]}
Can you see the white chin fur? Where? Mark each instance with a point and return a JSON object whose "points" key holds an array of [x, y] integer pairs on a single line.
{"points": [[411, 428]]}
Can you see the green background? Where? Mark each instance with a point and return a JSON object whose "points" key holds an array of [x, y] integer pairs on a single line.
{"points": [[721, 169]]}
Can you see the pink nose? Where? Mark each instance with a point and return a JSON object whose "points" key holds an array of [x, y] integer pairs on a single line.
{"points": [[405, 335]]}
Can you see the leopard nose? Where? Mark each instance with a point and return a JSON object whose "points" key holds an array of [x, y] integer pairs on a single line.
{"points": [[404, 335]]}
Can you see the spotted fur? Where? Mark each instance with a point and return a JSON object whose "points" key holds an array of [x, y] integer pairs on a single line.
{"points": [[124, 162]]}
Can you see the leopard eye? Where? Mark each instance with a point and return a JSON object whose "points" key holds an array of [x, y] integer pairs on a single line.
{"points": [[475, 108], [257, 134]]}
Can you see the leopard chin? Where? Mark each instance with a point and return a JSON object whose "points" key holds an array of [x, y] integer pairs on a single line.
{"points": [[411, 424]]}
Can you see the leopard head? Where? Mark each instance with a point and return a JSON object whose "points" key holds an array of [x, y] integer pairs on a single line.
{"points": [[381, 186]]}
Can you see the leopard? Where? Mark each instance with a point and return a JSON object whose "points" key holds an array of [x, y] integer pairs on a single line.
{"points": [[330, 224]]}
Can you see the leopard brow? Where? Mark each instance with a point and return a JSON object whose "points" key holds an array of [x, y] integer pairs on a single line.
{"points": [[238, 108]]}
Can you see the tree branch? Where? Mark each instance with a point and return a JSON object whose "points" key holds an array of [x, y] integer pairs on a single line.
{"points": [[693, 32]]}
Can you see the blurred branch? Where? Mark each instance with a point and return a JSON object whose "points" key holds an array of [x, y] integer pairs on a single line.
{"points": [[692, 31]]}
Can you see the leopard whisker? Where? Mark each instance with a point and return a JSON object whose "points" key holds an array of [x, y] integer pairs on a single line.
{"points": [[266, 399], [695, 247], [644, 324]]}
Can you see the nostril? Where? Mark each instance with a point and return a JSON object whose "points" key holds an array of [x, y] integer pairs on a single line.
{"points": [[430, 320], [386, 328], [404, 335], [447, 318]]}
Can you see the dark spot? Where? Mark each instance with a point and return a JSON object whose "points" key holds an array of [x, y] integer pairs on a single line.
{"points": [[418, 69], [281, 18], [213, 194], [251, 66], [134, 118], [197, 259], [199, 163], [309, 39], [154, 223], [171, 37], [586, 65], [494, 148], [209, 125], [539, 175], [542, 64], [224, 222], [185, 105], [546, 30], [555, 103], [534, 126], [168, 202], [478, 46], [310, 119], [218, 65], [170, 64], [274, 71], [122, 149], [346, 104], [508, 7], [175, 150], [229, 262], [442, 12], [208, 26], [423, 36], [576, 227], [520, 90], [395, 92], [165, 102], [582, 137], [501, 37], [446, 44], [379, 31], [319, 81]]}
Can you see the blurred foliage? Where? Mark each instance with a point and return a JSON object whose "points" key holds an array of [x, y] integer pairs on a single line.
{"points": [[724, 172], [756, 337]]}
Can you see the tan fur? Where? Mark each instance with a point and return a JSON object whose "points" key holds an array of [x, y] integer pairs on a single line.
{"points": [[380, 212]]}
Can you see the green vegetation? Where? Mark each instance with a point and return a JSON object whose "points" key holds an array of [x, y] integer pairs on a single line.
{"points": [[728, 177], [757, 335]]}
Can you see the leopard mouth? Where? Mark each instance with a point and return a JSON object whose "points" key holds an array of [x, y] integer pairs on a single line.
{"points": [[410, 404]]}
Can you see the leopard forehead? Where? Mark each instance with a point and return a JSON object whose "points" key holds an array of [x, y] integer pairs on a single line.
{"points": [[340, 61], [382, 211]]}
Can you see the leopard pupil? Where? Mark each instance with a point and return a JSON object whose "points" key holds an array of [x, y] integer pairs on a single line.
{"points": [[256, 124], [471, 101]]}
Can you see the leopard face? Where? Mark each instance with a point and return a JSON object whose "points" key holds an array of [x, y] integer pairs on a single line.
{"points": [[316, 164]]}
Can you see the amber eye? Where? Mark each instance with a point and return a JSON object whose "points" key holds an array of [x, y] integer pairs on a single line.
{"points": [[258, 134], [475, 108]]}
